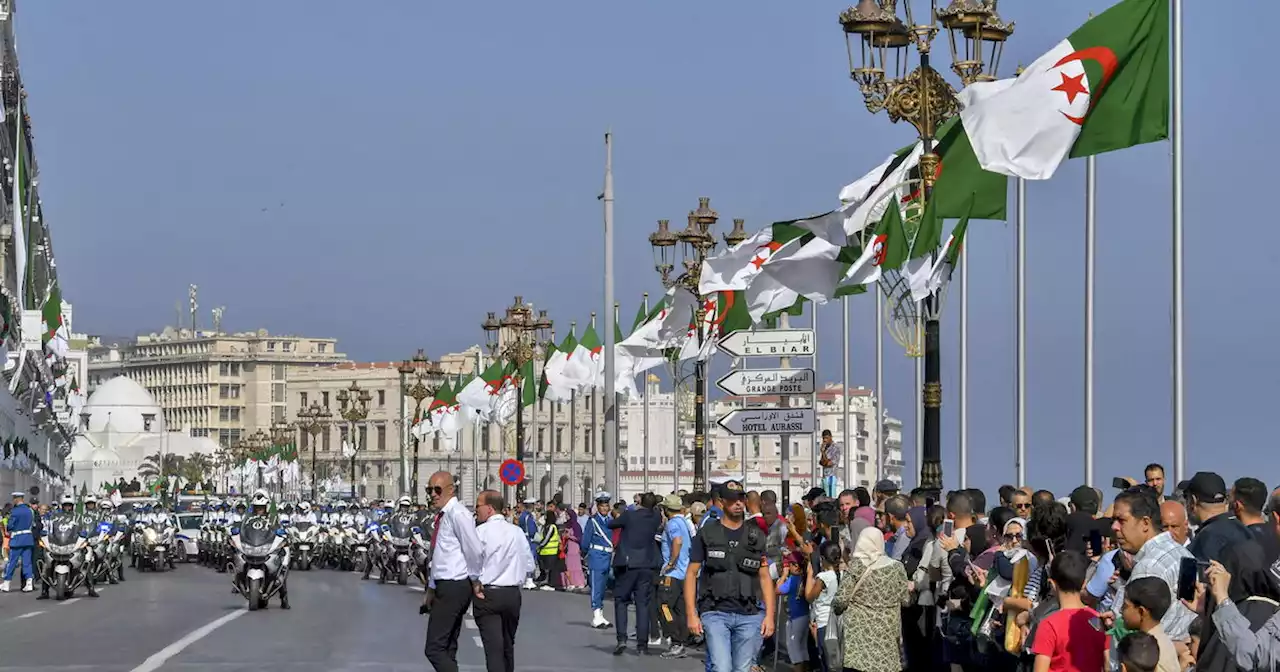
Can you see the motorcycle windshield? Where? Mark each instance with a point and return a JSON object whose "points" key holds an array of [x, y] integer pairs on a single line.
{"points": [[63, 531], [401, 527], [256, 532], [303, 526]]}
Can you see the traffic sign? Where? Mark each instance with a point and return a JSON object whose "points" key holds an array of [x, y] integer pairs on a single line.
{"points": [[745, 382], [769, 421], [511, 472], [771, 343]]}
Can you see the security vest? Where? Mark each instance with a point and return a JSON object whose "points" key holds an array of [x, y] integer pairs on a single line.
{"points": [[550, 542], [731, 573]]}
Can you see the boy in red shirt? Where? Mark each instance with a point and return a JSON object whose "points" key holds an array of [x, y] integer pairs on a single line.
{"points": [[1071, 639]]}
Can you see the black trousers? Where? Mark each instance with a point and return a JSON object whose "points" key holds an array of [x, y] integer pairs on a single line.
{"points": [[632, 584], [445, 624], [671, 610], [497, 616]]}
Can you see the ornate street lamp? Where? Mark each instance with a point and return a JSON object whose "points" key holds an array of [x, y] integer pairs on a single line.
{"points": [[696, 244], [314, 420], [282, 434], [516, 337], [353, 406], [881, 41], [257, 444], [418, 367]]}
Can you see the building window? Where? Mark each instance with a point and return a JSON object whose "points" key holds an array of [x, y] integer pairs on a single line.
{"points": [[303, 439], [435, 443], [277, 393], [364, 437], [235, 436], [235, 369], [322, 348], [559, 439], [224, 369], [224, 438], [288, 346], [382, 491], [382, 437], [326, 439], [277, 414], [540, 446], [277, 372], [224, 413], [484, 440], [324, 399], [382, 398], [271, 346], [342, 434], [732, 448]]}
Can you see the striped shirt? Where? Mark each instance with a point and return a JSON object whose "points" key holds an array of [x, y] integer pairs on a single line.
{"points": [[1160, 557]]}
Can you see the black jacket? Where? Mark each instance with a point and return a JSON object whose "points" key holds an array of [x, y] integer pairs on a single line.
{"points": [[637, 549]]}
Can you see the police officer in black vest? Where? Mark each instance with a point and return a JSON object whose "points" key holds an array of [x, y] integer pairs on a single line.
{"points": [[732, 602]]}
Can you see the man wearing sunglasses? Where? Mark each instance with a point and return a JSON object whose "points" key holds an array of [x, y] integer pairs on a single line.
{"points": [[456, 560]]}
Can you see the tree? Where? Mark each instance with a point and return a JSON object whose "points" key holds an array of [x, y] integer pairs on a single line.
{"points": [[195, 468], [151, 467]]}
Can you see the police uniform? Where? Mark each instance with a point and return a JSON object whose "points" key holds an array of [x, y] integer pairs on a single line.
{"points": [[22, 540], [597, 542], [528, 523], [729, 587]]}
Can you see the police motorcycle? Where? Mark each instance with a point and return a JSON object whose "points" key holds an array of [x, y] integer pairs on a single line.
{"points": [[66, 549], [224, 552], [423, 530], [204, 543], [107, 535], [396, 532], [304, 535], [155, 535], [262, 557]]}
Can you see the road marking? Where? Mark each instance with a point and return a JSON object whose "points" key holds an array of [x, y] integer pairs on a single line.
{"points": [[479, 642], [159, 658], [26, 615], [471, 625], [70, 601]]}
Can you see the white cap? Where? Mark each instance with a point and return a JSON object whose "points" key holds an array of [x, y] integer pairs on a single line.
{"points": [[603, 496], [531, 500]]}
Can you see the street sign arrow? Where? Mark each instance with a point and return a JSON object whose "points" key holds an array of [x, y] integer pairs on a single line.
{"points": [[771, 343], [769, 421], [746, 382]]}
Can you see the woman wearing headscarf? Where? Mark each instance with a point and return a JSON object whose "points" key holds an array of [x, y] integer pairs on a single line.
{"points": [[574, 579], [869, 604], [915, 629], [1253, 591]]}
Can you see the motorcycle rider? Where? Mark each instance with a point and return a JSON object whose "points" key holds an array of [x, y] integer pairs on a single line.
{"points": [[261, 506], [67, 509], [304, 514], [121, 526], [286, 513], [345, 519], [237, 515], [88, 520]]}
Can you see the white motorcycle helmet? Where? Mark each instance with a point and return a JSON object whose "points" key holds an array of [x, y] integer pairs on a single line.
{"points": [[67, 499], [90, 499], [304, 507], [404, 501], [260, 498], [106, 505]]}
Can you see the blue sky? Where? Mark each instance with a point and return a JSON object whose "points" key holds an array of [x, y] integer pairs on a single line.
{"points": [[387, 175]]}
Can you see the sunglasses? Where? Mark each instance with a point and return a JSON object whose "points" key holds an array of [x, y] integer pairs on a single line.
{"points": [[435, 490], [1021, 506]]}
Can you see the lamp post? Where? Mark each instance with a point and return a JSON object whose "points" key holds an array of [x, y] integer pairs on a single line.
{"points": [[880, 44], [418, 367], [354, 408], [515, 337], [314, 420], [257, 444], [282, 434], [697, 244]]}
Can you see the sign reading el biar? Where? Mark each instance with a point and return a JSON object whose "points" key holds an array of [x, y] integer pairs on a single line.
{"points": [[772, 343]]}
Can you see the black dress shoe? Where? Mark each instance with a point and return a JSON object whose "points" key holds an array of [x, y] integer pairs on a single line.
{"points": [[620, 649]]}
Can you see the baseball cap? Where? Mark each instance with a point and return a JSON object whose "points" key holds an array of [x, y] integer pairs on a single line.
{"points": [[1208, 488], [887, 486], [731, 489], [1085, 499], [672, 502], [814, 493]]}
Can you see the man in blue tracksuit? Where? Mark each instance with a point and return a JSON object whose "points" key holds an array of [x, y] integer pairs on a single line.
{"points": [[597, 543], [21, 542]]}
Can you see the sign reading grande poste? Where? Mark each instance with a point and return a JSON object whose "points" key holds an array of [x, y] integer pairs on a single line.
{"points": [[746, 382]]}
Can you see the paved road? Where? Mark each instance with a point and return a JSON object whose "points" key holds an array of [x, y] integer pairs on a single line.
{"points": [[190, 620]]}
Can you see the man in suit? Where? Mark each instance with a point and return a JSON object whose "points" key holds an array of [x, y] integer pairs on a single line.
{"points": [[635, 560]]}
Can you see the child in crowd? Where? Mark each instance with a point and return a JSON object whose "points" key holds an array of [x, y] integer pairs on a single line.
{"points": [[821, 589], [791, 584], [1145, 602], [1139, 652], [1071, 639]]}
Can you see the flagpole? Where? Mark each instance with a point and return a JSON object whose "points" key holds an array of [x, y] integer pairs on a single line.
{"points": [[879, 417], [919, 408], [1179, 447], [814, 475], [552, 486], [675, 425], [475, 443], [847, 434], [1020, 309], [573, 444], [644, 405], [610, 465], [963, 377], [1090, 221]]}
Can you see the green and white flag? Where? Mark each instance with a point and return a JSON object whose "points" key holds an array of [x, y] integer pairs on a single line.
{"points": [[554, 369], [583, 368], [885, 250], [19, 203], [56, 339], [1105, 87], [735, 268], [949, 259], [476, 398]]}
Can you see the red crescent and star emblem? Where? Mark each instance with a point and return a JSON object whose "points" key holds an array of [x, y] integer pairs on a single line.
{"points": [[761, 258], [1074, 86], [881, 249]]}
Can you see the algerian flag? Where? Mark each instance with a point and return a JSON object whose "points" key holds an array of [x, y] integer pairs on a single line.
{"points": [[440, 404], [886, 249], [18, 202], [628, 364], [554, 369], [735, 267], [476, 399], [528, 385], [55, 336], [950, 258], [920, 261], [545, 389], [1105, 87], [583, 367]]}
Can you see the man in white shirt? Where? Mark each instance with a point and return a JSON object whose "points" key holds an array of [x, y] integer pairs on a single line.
{"points": [[505, 560], [455, 567]]}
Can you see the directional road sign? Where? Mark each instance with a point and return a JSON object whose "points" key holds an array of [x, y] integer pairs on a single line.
{"points": [[511, 472], [771, 343], [769, 421], [746, 382]]}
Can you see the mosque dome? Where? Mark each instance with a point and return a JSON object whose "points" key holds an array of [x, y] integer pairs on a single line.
{"points": [[122, 403]]}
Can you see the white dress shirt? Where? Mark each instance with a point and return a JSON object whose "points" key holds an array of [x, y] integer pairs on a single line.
{"points": [[505, 555], [457, 551]]}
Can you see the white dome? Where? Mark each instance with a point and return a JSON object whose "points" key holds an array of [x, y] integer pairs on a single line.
{"points": [[122, 402]]}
